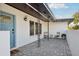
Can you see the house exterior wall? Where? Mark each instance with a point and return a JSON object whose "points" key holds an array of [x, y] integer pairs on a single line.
{"points": [[4, 43], [73, 41], [55, 27], [22, 27]]}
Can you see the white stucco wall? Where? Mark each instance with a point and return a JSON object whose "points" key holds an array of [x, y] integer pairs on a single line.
{"points": [[73, 41], [57, 27], [22, 27], [4, 43]]}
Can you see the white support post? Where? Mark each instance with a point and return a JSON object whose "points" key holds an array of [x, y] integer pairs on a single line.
{"points": [[38, 33], [48, 27]]}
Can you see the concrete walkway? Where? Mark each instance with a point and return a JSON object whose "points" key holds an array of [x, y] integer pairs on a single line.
{"points": [[52, 47]]}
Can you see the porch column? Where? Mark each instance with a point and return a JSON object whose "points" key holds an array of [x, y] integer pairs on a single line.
{"points": [[38, 33], [48, 29]]}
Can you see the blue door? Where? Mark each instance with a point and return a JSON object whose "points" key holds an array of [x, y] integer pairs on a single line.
{"points": [[7, 24]]}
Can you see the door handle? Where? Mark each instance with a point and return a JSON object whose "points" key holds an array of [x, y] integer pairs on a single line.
{"points": [[12, 30]]}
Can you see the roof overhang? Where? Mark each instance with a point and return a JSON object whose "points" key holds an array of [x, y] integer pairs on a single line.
{"points": [[64, 20], [43, 9], [30, 8]]}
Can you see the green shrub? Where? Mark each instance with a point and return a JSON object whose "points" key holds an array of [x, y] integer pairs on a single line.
{"points": [[75, 21], [75, 27]]}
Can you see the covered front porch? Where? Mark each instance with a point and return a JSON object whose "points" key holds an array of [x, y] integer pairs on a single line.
{"points": [[28, 37]]}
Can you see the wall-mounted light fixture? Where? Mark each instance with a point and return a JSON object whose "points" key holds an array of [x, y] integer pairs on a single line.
{"points": [[25, 18]]}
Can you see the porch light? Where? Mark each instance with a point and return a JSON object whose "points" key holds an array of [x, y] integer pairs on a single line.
{"points": [[25, 18]]}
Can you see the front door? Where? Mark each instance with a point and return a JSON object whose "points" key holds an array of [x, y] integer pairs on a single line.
{"points": [[7, 24]]}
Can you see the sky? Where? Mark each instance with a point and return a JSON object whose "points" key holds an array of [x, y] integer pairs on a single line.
{"points": [[64, 10]]}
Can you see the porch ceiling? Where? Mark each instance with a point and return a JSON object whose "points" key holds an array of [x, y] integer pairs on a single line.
{"points": [[25, 8], [41, 7]]}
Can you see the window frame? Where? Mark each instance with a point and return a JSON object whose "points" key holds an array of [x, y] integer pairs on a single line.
{"points": [[36, 28], [31, 29]]}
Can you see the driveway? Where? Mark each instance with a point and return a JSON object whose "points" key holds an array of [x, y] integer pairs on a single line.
{"points": [[52, 47]]}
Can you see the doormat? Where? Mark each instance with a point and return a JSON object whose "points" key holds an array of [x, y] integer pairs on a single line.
{"points": [[13, 52]]}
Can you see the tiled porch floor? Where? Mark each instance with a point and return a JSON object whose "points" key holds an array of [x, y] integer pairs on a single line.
{"points": [[52, 47]]}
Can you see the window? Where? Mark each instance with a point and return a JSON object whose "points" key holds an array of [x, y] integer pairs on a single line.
{"points": [[31, 28], [36, 28], [40, 28]]}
